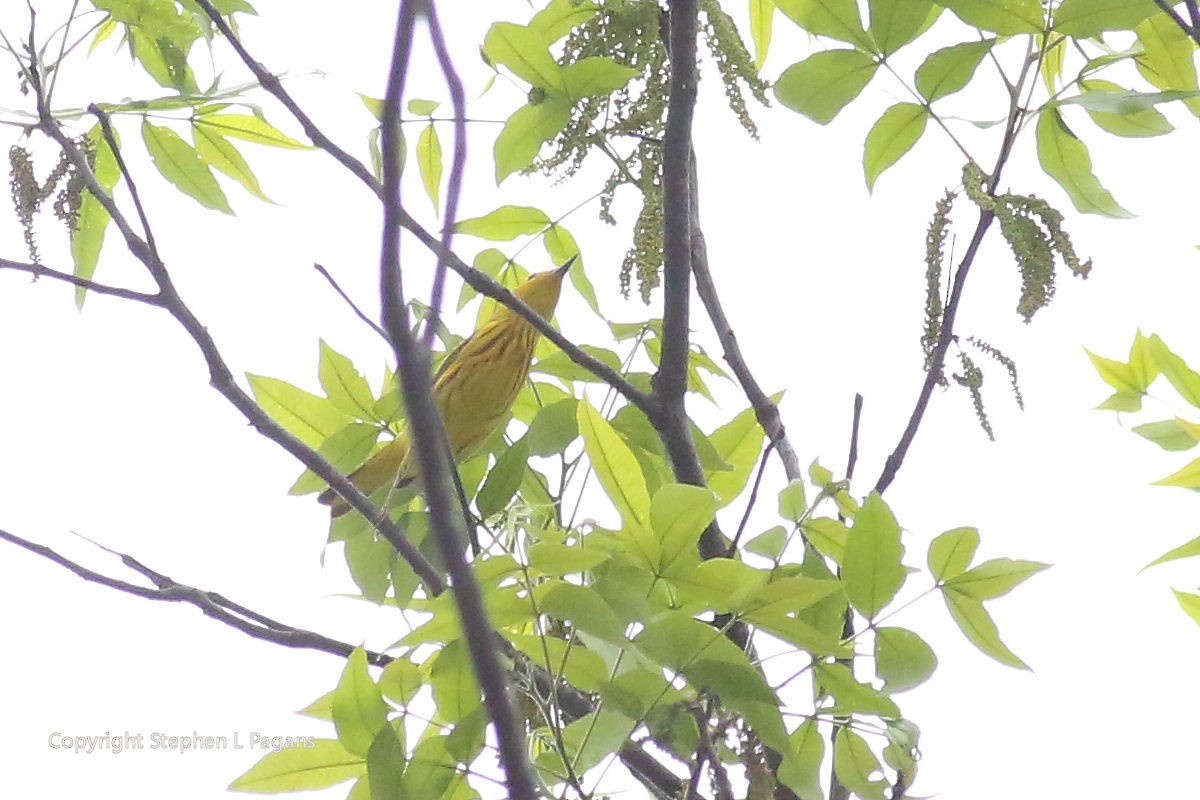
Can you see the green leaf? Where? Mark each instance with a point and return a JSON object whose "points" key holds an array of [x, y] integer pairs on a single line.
{"points": [[400, 681], [309, 418], [995, 577], [595, 75], [1185, 379], [179, 163], [1186, 478], [792, 503], [430, 771], [999, 16], [553, 428], [837, 19], [503, 479], [1121, 402], [893, 135], [737, 443], [851, 695], [854, 763], [951, 552], [249, 128], [1167, 56], [1117, 374], [293, 769], [828, 535], [452, 679], [588, 741], [946, 71], [1169, 434], [770, 543], [1190, 603], [678, 515], [386, 761], [1065, 159], [429, 163], [562, 247], [525, 53], [221, 154], [977, 625], [358, 708], [615, 466], [895, 23], [505, 223], [801, 767], [344, 385], [369, 559], [871, 565], [823, 84], [902, 659], [762, 15], [88, 237], [1189, 549], [559, 17], [422, 108], [586, 609], [524, 133], [1086, 18], [556, 559]]}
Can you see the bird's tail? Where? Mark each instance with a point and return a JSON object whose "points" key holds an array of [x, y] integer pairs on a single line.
{"points": [[389, 465]]}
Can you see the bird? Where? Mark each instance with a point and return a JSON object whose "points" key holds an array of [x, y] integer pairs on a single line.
{"points": [[474, 388]]}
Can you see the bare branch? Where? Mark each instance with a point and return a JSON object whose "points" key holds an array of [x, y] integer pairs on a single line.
{"points": [[213, 605], [372, 324], [39, 271]]}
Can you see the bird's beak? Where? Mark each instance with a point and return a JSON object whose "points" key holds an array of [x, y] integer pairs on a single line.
{"points": [[563, 269]]}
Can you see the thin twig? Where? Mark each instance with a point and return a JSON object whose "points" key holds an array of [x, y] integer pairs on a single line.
{"points": [[457, 166], [213, 605], [353, 306], [39, 271], [762, 467]]}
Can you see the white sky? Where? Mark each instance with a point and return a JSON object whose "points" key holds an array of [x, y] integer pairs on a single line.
{"points": [[109, 428]]}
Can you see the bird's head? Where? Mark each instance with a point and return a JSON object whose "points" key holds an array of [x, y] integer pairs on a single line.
{"points": [[541, 291]]}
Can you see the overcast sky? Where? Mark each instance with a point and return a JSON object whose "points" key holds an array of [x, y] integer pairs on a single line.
{"points": [[109, 429]]}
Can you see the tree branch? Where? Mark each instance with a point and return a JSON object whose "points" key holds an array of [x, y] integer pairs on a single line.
{"points": [[428, 435], [39, 271], [213, 605], [765, 410]]}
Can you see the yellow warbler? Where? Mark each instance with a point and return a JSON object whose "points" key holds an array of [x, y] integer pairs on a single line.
{"points": [[474, 390]]}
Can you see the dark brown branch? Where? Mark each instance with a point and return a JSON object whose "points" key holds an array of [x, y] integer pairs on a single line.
{"points": [[852, 457], [39, 271], [765, 410], [758, 476], [429, 437], [213, 605]]}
